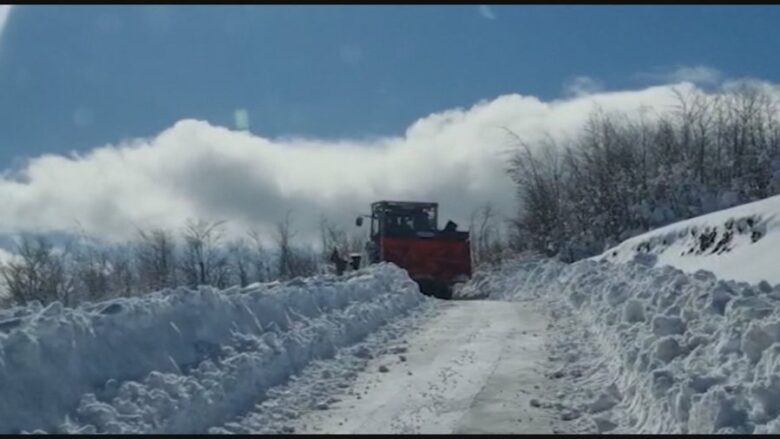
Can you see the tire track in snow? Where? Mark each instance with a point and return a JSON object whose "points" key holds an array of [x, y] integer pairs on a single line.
{"points": [[468, 370]]}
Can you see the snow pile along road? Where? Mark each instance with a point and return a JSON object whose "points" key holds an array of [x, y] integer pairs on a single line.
{"points": [[676, 353], [182, 361], [739, 243]]}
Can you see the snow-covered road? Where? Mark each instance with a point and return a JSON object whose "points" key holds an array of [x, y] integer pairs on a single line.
{"points": [[472, 368], [589, 347]]}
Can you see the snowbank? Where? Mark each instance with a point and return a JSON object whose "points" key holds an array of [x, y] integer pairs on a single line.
{"points": [[181, 361], [740, 243], [686, 353]]}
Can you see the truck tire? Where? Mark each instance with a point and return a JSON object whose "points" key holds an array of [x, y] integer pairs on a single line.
{"points": [[433, 288]]}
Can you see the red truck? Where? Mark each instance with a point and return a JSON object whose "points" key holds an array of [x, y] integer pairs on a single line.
{"points": [[406, 233]]}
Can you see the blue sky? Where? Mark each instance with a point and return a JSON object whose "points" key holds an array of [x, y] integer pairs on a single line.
{"points": [[346, 104], [75, 77]]}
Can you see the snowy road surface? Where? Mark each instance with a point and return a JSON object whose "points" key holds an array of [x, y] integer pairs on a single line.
{"points": [[473, 368], [588, 347]]}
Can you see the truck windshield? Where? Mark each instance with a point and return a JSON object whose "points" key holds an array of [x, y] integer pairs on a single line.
{"points": [[407, 221]]}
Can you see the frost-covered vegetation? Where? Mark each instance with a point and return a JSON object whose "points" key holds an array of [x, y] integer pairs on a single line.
{"points": [[625, 174], [81, 269]]}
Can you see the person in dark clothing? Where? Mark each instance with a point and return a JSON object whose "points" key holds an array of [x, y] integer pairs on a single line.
{"points": [[338, 261], [354, 261], [450, 227]]}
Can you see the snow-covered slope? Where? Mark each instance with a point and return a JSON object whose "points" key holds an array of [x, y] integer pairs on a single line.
{"points": [[740, 243], [182, 361], [672, 352]]}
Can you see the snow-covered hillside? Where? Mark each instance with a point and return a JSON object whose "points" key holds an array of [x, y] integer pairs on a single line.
{"points": [[740, 243], [654, 350], [182, 361]]}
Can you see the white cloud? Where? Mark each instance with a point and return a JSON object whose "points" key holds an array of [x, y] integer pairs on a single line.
{"points": [[456, 157], [5, 11], [701, 75], [487, 12], [582, 86]]}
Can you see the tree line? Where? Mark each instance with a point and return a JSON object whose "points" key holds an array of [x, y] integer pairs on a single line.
{"points": [[624, 174], [86, 269]]}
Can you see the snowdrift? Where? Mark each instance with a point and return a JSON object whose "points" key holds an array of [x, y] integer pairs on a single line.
{"points": [[180, 361], [740, 243], [686, 353]]}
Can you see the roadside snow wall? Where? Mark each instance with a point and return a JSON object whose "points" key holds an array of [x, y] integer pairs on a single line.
{"points": [[692, 354], [182, 360]]}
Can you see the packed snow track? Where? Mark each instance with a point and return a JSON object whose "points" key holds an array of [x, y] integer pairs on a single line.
{"points": [[474, 368]]}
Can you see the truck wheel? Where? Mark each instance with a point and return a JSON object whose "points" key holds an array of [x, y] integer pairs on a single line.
{"points": [[445, 292], [436, 289]]}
